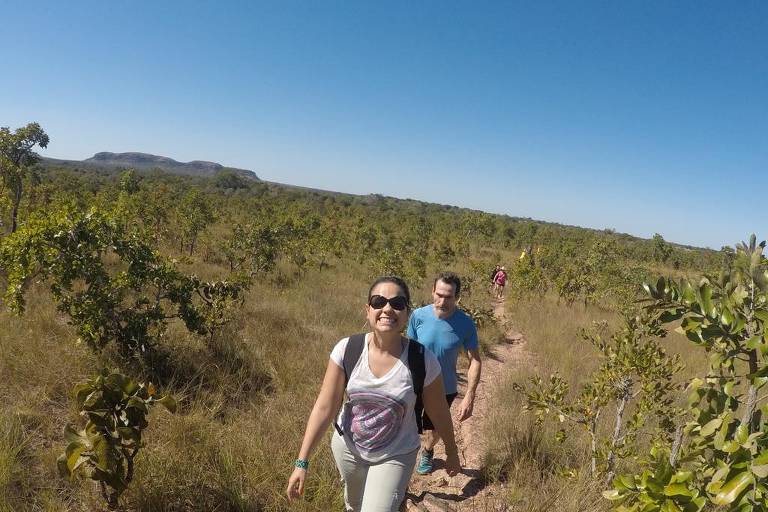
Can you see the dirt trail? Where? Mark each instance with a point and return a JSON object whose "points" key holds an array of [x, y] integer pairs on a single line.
{"points": [[467, 492]]}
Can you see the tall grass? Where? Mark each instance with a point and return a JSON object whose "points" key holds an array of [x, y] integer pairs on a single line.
{"points": [[539, 473], [245, 398], [244, 402]]}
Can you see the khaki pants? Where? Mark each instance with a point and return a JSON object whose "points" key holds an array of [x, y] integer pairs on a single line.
{"points": [[372, 486]]}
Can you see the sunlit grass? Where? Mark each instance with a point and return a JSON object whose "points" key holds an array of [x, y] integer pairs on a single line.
{"points": [[245, 398], [539, 473]]}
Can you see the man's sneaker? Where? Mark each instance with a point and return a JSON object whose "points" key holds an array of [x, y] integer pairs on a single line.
{"points": [[425, 462]]}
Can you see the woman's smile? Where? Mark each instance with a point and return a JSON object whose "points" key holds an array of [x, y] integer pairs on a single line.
{"points": [[387, 318]]}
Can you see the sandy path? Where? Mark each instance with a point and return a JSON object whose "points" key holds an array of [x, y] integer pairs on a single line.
{"points": [[467, 492]]}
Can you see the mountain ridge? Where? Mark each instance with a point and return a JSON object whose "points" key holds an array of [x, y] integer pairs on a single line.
{"points": [[147, 161]]}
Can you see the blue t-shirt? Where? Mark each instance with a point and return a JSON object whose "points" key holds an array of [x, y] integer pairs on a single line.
{"points": [[444, 337]]}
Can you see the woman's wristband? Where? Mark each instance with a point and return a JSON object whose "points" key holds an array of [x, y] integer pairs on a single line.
{"points": [[301, 463]]}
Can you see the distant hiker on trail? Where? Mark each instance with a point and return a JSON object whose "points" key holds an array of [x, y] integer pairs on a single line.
{"points": [[499, 281], [444, 329], [491, 287], [386, 377]]}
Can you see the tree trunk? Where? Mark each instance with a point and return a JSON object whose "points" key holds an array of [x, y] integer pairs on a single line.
{"points": [[676, 445], [593, 443], [17, 190], [750, 418], [626, 386]]}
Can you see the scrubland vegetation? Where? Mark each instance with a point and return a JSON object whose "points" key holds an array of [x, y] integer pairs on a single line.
{"points": [[227, 295]]}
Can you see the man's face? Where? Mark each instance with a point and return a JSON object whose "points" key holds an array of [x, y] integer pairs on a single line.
{"points": [[444, 299]]}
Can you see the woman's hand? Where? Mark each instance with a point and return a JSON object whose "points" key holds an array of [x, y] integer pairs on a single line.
{"points": [[295, 488], [326, 405], [452, 464]]}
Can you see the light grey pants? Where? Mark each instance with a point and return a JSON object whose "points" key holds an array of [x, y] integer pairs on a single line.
{"points": [[372, 486]]}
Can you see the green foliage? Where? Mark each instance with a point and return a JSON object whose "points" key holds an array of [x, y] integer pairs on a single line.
{"points": [[634, 371], [657, 489], [114, 288], [227, 179], [400, 259], [601, 274], [124, 289], [253, 248], [527, 278], [481, 316], [661, 249], [194, 214], [110, 282], [16, 156], [219, 302], [573, 283], [725, 446], [476, 281], [128, 303], [116, 409], [129, 182], [319, 240]]}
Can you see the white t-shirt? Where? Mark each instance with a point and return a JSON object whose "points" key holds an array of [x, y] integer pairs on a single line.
{"points": [[378, 418]]}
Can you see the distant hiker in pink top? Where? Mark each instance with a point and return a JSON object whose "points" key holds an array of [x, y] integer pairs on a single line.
{"points": [[499, 280]]}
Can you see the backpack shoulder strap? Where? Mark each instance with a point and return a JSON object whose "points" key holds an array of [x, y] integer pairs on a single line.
{"points": [[418, 373], [352, 353], [417, 365]]}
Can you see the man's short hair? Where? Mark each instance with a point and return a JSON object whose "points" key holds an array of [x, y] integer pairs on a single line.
{"points": [[450, 278]]}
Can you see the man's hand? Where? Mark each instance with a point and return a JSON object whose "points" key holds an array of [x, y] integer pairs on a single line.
{"points": [[452, 464], [466, 407]]}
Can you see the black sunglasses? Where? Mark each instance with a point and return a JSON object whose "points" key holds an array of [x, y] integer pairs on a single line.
{"points": [[398, 302]]}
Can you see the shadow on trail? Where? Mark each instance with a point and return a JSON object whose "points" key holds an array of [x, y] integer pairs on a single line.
{"points": [[507, 339]]}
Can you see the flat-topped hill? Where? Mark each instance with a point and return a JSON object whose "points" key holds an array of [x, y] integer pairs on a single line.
{"points": [[146, 161]]}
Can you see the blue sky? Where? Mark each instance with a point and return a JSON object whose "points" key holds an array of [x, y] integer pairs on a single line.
{"points": [[639, 116]]}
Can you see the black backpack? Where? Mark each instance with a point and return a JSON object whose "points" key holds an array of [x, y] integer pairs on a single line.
{"points": [[416, 365]]}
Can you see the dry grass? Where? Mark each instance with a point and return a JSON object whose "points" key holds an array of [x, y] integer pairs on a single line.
{"points": [[539, 473], [245, 400], [244, 403]]}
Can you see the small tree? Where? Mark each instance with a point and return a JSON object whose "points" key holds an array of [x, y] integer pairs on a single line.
{"points": [[526, 278], [635, 374], [661, 249], [220, 300], [128, 300], [399, 258], [194, 215], [16, 156], [720, 458], [116, 408], [129, 182], [129, 305], [253, 249]]}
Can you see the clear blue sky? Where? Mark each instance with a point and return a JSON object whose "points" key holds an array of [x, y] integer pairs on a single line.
{"points": [[640, 116]]}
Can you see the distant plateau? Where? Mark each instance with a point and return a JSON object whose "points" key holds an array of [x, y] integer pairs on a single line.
{"points": [[147, 162]]}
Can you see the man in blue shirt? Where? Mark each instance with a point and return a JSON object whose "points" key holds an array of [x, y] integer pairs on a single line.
{"points": [[445, 329]]}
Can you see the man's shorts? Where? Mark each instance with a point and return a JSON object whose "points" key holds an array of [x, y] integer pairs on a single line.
{"points": [[426, 422]]}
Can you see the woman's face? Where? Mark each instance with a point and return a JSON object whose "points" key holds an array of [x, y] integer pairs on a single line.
{"points": [[387, 318]]}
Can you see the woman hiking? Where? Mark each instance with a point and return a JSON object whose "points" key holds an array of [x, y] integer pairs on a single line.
{"points": [[377, 435], [499, 280]]}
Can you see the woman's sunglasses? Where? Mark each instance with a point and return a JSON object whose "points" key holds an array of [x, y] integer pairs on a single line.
{"points": [[398, 302]]}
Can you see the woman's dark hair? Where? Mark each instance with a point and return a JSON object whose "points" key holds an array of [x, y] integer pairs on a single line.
{"points": [[394, 280]]}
